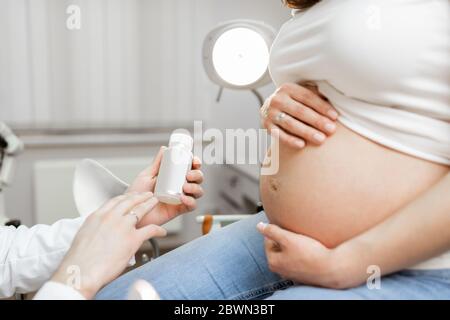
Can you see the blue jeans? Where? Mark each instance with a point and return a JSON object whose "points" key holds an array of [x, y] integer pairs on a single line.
{"points": [[231, 264]]}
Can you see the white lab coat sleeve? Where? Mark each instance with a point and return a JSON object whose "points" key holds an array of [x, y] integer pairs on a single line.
{"points": [[29, 256], [58, 291]]}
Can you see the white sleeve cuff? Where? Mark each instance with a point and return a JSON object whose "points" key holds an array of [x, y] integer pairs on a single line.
{"points": [[58, 291]]}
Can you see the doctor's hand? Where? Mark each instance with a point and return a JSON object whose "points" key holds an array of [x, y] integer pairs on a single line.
{"points": [[299, 115], [163, 213], [305, 260], [106, 242]]}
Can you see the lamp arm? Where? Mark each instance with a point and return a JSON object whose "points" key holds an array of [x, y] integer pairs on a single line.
{"points": [[258, 96], [219, 94], [254, 91]]}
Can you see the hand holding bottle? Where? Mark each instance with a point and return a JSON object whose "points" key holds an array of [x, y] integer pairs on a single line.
{"points": [[191, 187]]}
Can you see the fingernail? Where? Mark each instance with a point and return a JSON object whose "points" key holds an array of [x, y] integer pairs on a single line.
{"points": [[333, 114], [300, 144], [330, 127], [261, 226], [319, 137]]}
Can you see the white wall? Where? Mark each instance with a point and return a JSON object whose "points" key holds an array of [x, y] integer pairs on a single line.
{"points": [[132, 63]]}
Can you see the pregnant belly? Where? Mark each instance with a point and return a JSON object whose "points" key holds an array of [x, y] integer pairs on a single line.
{"points": [[342, 188]]}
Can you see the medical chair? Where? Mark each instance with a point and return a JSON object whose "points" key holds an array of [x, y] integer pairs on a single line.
{"points": [[93, 185], [211, 223]]}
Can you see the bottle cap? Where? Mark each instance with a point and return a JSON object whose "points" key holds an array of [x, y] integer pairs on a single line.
{"points": [[183, 139]]}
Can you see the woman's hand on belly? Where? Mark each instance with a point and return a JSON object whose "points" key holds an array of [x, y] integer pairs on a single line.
{"points": [[404, 239], [302, 259], [299, 115]]}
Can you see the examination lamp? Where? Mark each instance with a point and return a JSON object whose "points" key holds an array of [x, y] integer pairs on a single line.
{"points": [[10, 147], [236, 55]]}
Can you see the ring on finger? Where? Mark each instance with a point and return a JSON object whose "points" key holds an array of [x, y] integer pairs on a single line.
{"points": [[280, 116]]}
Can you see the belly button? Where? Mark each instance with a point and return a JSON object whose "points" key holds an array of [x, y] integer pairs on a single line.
{"points": [[274, 184]]}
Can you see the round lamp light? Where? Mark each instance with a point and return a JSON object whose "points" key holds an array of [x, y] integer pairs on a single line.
{"points": [[236, 54]]}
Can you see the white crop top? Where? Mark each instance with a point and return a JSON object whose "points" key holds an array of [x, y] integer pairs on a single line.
{"points": [[384, 65]]}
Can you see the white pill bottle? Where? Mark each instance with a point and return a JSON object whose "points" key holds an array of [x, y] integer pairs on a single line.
{"points": [[175, 164]]}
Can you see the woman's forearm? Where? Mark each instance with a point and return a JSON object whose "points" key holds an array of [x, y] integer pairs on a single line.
{"points": [[416, 233]]}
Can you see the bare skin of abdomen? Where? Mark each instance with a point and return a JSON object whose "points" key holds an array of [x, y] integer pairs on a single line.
{"points": [[346, 186]]}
